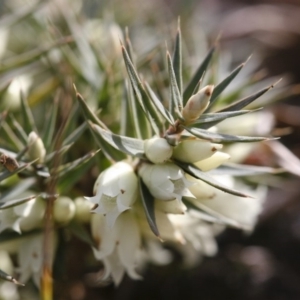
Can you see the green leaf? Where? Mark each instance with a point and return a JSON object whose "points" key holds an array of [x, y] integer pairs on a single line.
{"points": [[15, 202], [210, 119], [18, 189], [131, 146], [224, 138], [28, 120], [188, 92], [76, 134], [245, 101], [19, 129], [159, 106], [6, 174], [61, 151], [140, 93], [177, 59], [233, 169], [197, 173], [223, 84], [7, 277], [11, 136], [175, 104], [50, 124], [80, 232], [148, 204], [69, 167]]}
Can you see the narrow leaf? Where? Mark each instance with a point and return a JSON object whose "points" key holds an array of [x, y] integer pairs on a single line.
{"points": [[7, 174], [245, 101], [188, 92], [28, 120], [7, 277], [211, 119], [15, 202], [224, 138], [80, 232], [75, 135], [175, 105], [197, 173], [164, 112], [177, 59], [148, 204], [223, 84], [131, 146], [140, 93]]}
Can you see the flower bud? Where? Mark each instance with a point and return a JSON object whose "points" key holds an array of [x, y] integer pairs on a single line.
{"points": [[171, 207], [165, 181], [197, 104], [83, 210], [63, 210], [212, 162], [36, 148], [191, 151], [158, 150]]}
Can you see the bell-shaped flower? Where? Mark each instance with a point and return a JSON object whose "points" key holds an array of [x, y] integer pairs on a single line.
{"points": [[116, 190], [36, 148], [30, 257], [191, 151], [165, 181], [117, 247], [23, 217], [171, 207], [158, 150], [197, 104]]}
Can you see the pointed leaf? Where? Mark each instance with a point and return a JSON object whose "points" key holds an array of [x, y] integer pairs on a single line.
{"points": [[223, 84], [69, 167], [7, 174], [164, 112], [197, 173], [7, 277], [175, 105], [211, 119], [131, 146], [177, 59], [140, 93], [19, 129], [233, 169], [75, 135], [245, 101], [61, 151], [188, 92], [15, 202], [148, 204], [28, 120], [224, 138]]}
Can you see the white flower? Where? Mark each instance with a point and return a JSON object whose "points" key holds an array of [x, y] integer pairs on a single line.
{"points": [[118, 246], [36, 149], [191, 151], [30, 258], [63, 210], [158, 150], [197, 104], [165, 181], [116, 190], [26, 216]]}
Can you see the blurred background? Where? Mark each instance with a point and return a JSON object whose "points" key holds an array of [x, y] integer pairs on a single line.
{"points": [[261, 265]]}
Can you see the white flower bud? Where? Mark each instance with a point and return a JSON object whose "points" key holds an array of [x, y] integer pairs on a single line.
{"points": [[116, 190], [197, 104], [191, 151], [83, 210], [63, 210], [158, 150], [212, 162], [165, 181], [171, 207], [36, 148]]}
